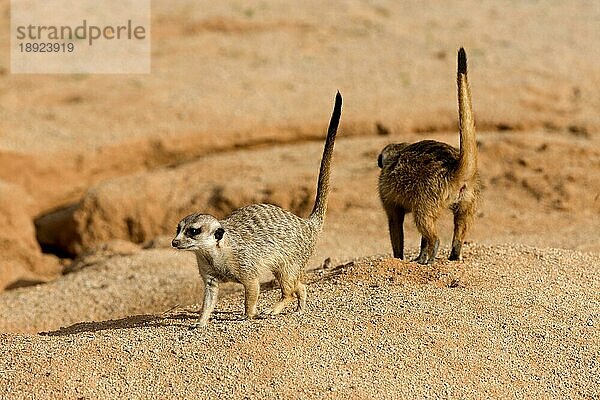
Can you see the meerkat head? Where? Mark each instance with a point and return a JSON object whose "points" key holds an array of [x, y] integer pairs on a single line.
{"points": [[198, 232], [389, 153]]}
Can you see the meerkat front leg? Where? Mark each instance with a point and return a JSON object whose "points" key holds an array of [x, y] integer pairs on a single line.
{"points": [[211, 291], [251, 291], [463, 217], [422, 257]]}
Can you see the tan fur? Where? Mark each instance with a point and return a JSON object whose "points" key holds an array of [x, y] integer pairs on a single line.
{"points": [[258, 238], [428, 176]]}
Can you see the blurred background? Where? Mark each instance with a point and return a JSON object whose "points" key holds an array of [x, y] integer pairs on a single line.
{"points": [[94, 167]]}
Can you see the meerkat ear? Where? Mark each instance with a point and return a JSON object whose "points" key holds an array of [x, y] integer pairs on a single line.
{"points": [[380, 160], [219, 233]]}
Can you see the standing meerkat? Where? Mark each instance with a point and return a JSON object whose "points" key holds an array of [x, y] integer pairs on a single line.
{"points": [[428, 176], [257, 238]]}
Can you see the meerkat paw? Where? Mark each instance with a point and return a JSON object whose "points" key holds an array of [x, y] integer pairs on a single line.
{"points": [[250, 316], [301, 305], [422, 259], [198, 324], [455, 253], [282, 304], [427, 255], [276, 310]]}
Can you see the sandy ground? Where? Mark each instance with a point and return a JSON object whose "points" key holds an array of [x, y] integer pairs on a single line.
{"points": [[96, 170], [511, 321]]}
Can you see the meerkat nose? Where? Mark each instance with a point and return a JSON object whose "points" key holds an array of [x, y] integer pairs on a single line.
{"points": [[175, 243]]}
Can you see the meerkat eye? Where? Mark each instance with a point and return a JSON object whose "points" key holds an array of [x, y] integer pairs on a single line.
{"points": [[193, 231]]}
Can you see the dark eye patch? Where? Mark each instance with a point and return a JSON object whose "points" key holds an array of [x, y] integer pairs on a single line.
{"points": [[193, 231], [178, 230]]}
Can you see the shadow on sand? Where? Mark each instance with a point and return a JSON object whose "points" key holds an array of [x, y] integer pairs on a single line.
{"points": [[168, 318], [143, 320]]}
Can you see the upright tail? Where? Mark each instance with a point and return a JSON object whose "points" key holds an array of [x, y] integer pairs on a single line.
{"points": [[318, 213], [467, 164]]}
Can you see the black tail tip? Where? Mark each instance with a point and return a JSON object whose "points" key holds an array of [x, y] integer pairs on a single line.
{"points": [[462, 61], [338, 98], [335, 116]]}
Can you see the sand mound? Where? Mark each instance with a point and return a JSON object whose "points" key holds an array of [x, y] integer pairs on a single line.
{"points": [[140, 207], [22, 260], [521, 322]]}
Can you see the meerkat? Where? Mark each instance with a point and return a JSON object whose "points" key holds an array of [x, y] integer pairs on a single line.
{"points": [[257, 238], [428, 176]]}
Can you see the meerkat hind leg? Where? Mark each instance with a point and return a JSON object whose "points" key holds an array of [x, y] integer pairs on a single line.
{"points": [[301, 293], [251, 292], [395, 223], [430, 241], [463, 215], [422, 257], [427, 253], [287, 294]]}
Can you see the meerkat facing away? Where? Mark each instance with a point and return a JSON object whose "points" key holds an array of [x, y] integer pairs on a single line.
{"points": [[256, 238], [428, 176]]}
